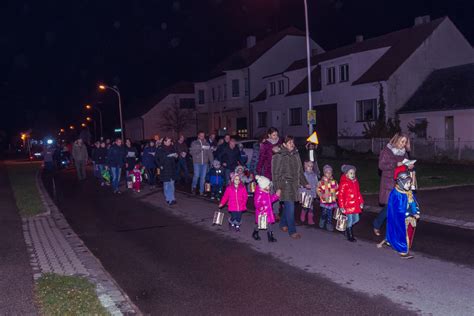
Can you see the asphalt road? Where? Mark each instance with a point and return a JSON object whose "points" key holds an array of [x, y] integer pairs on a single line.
{"points": [[168, 266]]}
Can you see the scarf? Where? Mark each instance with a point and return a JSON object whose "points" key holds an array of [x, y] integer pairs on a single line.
{"points": [[396, 151], [273, 142]]}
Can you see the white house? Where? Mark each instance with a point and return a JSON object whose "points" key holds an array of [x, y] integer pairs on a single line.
{"points": [[443, 107], [346, 81], [151, 119], [223, 100]]}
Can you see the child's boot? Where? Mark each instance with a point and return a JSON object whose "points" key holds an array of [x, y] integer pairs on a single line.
{"points": [[349, 235], [329, 225], [322, 221], [303, 215], [310, 218], [255, 235], [270, 237]]}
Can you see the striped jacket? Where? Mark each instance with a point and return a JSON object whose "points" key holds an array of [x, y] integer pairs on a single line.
{"points": [[327, 190]]}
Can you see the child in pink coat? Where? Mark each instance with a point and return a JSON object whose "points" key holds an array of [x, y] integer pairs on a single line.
{"points": [[137, 178], [263, 201], [236, 196]]}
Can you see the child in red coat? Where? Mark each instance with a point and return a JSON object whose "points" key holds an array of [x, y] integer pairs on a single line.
{"points": [[349, 198], [236, 196], [137, 178]]}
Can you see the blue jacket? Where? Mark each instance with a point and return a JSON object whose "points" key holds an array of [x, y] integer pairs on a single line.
{"points": [[216, 176], [149, 157], [116, 156]]}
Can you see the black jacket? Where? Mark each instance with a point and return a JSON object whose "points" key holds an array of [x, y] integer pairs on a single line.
{"points": [[166, 161], [116, 156], [131, 157], [99, 155], [231, 157]]}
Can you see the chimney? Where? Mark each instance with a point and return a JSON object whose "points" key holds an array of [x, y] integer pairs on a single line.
{"points": [[359, 38], [251, 41], [419, 20]]}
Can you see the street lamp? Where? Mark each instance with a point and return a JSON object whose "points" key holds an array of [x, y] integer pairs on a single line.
{"points": [[308, 62], [116, 90], [83, 124], [71, 127], [95, 108]]}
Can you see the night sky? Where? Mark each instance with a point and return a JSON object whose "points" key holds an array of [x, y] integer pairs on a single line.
{"points": [[54, 53]]}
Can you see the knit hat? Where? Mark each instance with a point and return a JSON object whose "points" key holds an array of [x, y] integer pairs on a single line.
{"points": [[345, 168], [216, 164], [239, 169], [327, 167], [263, 182], [233, 175]]}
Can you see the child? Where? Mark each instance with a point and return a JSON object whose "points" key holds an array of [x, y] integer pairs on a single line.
{"points": [[312, 179], [312, 147], [245, 177], [263, 201], [327, 192], [216, 179], [236, 195], [137, 177], [349, 198]]}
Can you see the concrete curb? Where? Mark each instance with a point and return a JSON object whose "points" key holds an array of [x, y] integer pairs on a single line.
{"points": [[111, 296]]}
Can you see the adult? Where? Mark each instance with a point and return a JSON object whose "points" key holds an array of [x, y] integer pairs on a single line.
{"points": [[222, 145], [288, 176], [80, 156], [166, 161], [94, 158], [264, 165], [48, 157], [131, 158], [390, 158], [101, 160], [149, 162], [212, 140], [202, 156], [182, 164], [116, 161], [230, 158]]}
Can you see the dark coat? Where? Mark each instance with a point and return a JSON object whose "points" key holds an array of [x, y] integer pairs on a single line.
{"points": [[131, 157], [116, 156], [264, 165], [166, 161], [149, 157], [387, 164], [100, 155], [231, 157], [287, 173]]}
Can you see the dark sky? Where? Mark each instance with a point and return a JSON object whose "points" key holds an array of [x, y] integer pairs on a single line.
{"points": [[53, 53]]}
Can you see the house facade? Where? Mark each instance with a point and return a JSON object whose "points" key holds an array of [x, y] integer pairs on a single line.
{"points": [[347, 81], [161, 115], [223, 100]]}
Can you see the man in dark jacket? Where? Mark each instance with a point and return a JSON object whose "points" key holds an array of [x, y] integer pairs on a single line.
{"points": [[182, 164], [230, 158], [116, 161]]}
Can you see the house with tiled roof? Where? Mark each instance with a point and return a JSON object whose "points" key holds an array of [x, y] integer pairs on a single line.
{"points": [[148, 119], [223, 98], [346, 81]]}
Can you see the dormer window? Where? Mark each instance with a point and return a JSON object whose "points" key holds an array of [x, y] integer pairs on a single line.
{"points": [[344, 72], [272, 88], [331, 75], [281, 86]]}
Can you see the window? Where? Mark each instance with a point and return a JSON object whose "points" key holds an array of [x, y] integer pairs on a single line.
{"points": [[262, 119], [281, 86], [344, 72], [246, 88], [366, 110], [201, 99], [219, 93], [235, 88], [225, 91], [295, 117], [272, 88], [187, 103], [213, 95], [331, 75], [419, 127]]}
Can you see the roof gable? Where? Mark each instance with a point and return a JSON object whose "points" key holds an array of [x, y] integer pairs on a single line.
{"points": [[444, 89]]}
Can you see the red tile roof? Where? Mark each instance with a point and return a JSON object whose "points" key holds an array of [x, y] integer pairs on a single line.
{"points": [[247, 56], [402, 44]]}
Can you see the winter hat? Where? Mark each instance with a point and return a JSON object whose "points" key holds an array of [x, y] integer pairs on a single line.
{"points": [[345, 168], [216, 164], [327, 167], [233, 175], [263, 182], [239, 169]]}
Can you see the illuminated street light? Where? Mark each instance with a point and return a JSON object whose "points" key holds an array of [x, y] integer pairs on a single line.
{"points": [[88, 119], [83, 124], [71, 127], [95, 108], [116, 90], [61, 130]]}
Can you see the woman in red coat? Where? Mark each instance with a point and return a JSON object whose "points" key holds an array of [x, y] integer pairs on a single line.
{"points": [[349, 198], [264, 165]]}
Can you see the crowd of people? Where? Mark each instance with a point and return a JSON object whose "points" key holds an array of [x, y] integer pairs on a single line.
{"points": [[276, 175]]}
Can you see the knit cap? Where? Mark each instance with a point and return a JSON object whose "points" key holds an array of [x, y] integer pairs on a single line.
{"points": [[263, 182], [345, 168], [327, 167]]}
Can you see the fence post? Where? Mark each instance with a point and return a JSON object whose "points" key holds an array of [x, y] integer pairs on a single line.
{"points": [[372, 145], [459, 148]]}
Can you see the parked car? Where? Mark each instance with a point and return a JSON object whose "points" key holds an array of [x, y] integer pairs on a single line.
{"points": [[248, 146]]}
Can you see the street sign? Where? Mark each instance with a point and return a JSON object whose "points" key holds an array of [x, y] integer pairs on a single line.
{"points": [[311, 116], [118, 130]]}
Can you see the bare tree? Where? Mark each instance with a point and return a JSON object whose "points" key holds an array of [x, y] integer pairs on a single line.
{"points": [[176, 119]]}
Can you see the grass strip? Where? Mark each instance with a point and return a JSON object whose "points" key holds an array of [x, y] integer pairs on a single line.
{"points": [[67, 295], [23, 182]]}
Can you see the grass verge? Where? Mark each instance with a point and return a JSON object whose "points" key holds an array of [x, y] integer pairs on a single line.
{"points": [[23, 182], [428, 174], [67, 295]]}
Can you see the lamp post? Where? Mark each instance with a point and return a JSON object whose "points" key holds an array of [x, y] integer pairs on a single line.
{"points": [[308, 62], [116, 90], [89, 119], [95, 108]]}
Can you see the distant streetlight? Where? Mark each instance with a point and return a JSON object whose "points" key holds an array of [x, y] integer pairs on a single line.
{"points": [[95, 108], [71, 127], [83, 124], [88, 119], [116, 90], [61, 130]]}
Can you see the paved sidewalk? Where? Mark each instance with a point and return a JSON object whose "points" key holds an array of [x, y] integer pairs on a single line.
{"points": [[421, 284], [16, 277], [54, 247]]}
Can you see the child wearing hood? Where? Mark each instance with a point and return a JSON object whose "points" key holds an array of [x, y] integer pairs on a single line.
{"points": [[327, 192], [349, 198], [263, 201], [312, 179], [236, 196], [216, 179]]}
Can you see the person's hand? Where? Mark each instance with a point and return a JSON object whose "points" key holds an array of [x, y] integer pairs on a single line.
{"points": [[411, 167], [224, 164], [126, 165], [221, 206], [278, 192], [362, 205], [416, 216], [399, 164]]}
